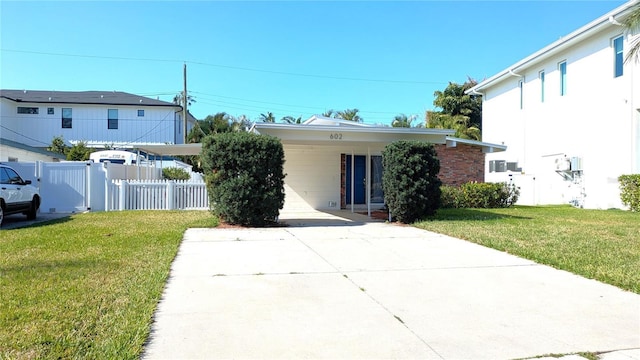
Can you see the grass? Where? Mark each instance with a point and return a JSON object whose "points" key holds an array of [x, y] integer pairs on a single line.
{"points": [[87, 286], [597, 244]]}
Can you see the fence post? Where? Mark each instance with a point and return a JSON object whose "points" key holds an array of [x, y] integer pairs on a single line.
{"points": [[123, 194], [171, 188]]}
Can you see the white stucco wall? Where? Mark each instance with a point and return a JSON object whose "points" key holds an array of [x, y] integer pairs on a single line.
{"points": [[313, 174], [89, 124], [597, 120]]}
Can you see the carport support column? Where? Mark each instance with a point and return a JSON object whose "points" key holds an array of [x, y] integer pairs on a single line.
{"points": [[353, 170], [368, 182]]}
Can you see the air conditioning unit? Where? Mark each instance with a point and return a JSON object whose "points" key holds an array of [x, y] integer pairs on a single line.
{"points": [[497, 166], [513, 166]]}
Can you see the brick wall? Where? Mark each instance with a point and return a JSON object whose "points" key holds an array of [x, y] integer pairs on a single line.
{"points": [[460, 164]]}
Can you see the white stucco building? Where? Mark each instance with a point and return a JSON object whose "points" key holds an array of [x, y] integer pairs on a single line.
{"points": [[569, 115], [33, 118]]}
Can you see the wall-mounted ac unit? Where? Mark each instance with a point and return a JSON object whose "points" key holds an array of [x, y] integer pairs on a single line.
{"points": [[513, 166], [497, 166]]}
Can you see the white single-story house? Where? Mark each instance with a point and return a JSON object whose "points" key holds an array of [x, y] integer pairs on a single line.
{"points": [[570, 115], [333, 164]]}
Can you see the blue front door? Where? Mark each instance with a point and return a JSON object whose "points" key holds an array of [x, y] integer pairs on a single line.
{"points": [[359, 179]]}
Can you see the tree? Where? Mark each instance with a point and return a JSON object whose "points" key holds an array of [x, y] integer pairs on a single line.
{"points": [[403, 121], [632, 24], [79, 152], [350, 115], [460, 112], [269, 117], [329, 113], [245, 177], [292, 120], [410, 180], [58, 146], [179, 99]]}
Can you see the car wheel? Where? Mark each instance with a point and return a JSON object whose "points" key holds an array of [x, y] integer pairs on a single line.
{"points": [[33, 210], [1, 214]]}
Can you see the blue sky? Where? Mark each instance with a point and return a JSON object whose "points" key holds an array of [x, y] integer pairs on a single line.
{"points": [[290, 58]]}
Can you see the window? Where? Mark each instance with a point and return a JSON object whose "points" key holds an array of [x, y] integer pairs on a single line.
{"points": [[112, 122], [563, 78], [50, 111], [521, 87], [67, 122], [28, 110], [618, 53], [541, 76], [140, 112]]}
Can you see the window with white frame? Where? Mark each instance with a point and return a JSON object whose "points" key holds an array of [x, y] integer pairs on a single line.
{"points": [[67, 118], [521, 89], [28, 110], [562, 67], [112, 120], [618, 56], [541, 77]]}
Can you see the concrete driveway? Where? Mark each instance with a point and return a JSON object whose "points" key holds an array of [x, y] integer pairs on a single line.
{"points": [[337, 286]]}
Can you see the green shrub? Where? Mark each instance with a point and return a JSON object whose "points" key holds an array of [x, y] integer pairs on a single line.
{"points": [[480, 195], [630, 191], [174, 173], [410, 180], [245, 178]]}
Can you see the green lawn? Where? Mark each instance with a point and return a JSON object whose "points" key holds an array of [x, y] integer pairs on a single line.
{"points": [[597, 244], [87, 286]]}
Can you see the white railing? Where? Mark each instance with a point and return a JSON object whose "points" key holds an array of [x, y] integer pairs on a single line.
{"points": [[156, 195]]}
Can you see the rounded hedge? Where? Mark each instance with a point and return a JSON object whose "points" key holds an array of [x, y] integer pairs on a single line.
{"points": [[410, 180], [245, 178]]}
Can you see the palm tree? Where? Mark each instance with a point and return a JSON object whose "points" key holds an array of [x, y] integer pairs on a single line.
{"points": [[178, 99], [403, 121], [632, 24], [292, 120], [268, 117], [350, 115], [329, 113]]}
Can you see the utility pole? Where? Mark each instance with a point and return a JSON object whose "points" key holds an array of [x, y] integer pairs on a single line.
{"points": [[184, 104]]}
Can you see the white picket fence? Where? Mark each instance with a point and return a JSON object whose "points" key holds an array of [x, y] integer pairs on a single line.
{"points": [[156, 195]]}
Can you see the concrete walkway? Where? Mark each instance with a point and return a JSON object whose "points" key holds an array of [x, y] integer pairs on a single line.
{"points": [[342, 288]]}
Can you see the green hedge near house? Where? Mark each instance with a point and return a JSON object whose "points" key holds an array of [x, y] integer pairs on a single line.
{"points": [[175, 173], [630, 191], [410, 180], [245, 177], [479, 195]]}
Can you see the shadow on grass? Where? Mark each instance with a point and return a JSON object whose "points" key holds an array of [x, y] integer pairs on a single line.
{"points": [[16, 222], [470, 215]]}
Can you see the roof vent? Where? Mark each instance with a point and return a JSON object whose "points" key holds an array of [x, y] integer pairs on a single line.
{"points": [[49, 98], [140, 101], [101, 96]]}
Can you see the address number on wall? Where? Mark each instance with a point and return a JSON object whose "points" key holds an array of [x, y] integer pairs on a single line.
{"points": [[335, 136]]}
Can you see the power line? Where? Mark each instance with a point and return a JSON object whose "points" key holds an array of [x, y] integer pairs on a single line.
{"points": [[230, 67]]}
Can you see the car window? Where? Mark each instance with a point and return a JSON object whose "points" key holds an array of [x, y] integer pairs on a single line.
{"points": [[14, 178], [4, 177]]}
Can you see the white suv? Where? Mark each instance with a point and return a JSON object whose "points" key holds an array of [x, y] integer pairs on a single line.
{"points": [[17, 195]]}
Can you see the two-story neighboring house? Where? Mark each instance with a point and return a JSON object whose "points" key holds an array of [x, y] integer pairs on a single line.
{"points": [[570, 116], [99, 118]]}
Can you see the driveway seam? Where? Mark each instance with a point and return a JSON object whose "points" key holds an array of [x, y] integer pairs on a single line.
{"points": [[367, 294]]}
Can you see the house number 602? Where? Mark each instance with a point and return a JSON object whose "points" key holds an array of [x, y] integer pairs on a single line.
{"points": [[336, 136]]}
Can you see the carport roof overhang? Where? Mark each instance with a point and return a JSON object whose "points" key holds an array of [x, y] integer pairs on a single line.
{"points": [[178, 149], [363, 135]]}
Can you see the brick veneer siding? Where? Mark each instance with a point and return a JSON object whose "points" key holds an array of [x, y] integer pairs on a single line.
{"points": [[460, 164]]}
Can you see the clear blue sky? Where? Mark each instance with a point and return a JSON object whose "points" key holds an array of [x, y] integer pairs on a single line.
{"points": [[290, 58]]}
